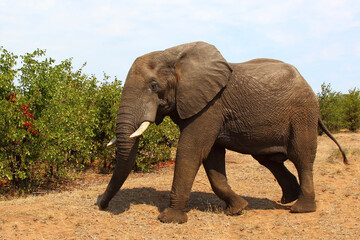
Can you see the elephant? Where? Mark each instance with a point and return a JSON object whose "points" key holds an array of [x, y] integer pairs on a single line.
{"points": [[262, 107]]}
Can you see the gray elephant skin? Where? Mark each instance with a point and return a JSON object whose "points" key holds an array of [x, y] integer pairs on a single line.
{"points": [[262, 107]]}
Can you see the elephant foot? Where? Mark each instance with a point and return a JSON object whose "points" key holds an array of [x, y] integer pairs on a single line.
{"points": [[290, 196], [303, 206], [103, 205], [236, 207], [171, 215]]}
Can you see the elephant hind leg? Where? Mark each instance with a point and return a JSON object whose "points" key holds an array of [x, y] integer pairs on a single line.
{"points": [[306, 201], [302, 151], [287, 181], [214, 166]]}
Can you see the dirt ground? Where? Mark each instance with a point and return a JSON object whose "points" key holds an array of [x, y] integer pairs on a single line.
{"points": [[133, 211]]}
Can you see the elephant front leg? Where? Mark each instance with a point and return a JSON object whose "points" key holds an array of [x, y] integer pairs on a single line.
{"points": [[195, 143], [196, 140], [186, 166], [215, 170]]}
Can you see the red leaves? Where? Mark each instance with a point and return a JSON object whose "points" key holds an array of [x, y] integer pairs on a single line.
{"points": [[35, 132], [11, 98], [28, 125], [26, 112], [29, 117]]}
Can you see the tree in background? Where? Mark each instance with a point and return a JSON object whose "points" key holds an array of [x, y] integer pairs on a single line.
{"points": [[351, 109], [339, 110], [49, 119], [17, 129], [330, 107]]}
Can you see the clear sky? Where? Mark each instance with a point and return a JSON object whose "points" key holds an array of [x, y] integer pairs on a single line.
{"points": [[320, 37]]}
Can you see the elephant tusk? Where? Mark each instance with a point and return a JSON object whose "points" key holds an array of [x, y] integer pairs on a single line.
{"points": [[112, 142], [140, 130]]}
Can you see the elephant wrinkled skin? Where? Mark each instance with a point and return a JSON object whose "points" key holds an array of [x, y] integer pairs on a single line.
{"points": [[262, 107]]}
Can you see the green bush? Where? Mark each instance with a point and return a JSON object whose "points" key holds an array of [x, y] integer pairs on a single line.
{"points": [[107, 101], [53, 121], [330, 108], [351, 109], [18, 127], [339, 110]]}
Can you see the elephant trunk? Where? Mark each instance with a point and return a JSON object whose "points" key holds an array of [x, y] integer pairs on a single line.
{"points": [[125, 157], [133, 118]]}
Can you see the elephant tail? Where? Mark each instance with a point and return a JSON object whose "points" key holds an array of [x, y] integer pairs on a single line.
{"points": [[324, 128]]}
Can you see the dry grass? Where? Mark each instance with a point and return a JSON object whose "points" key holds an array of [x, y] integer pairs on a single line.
{"points": [[132, 213]]}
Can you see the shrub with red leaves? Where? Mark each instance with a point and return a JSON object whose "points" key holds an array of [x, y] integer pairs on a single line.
{"points": [[29, 117]]}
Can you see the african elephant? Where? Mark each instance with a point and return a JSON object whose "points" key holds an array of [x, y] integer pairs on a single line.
{"points": [[262, 107]]}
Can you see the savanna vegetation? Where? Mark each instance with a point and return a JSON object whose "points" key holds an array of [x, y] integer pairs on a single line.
{"points": [[55, 121], [338, 110]]}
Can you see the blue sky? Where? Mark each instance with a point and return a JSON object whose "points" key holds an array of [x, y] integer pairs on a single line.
{"points": [[319, 37]]}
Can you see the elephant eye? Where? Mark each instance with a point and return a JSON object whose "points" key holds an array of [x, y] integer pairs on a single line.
{"points": [[154, 86]]}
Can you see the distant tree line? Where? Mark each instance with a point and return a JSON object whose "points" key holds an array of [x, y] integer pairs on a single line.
{"points": [[338, 110]]}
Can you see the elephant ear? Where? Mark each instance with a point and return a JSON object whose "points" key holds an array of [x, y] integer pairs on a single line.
{"points": [[201, 73]]}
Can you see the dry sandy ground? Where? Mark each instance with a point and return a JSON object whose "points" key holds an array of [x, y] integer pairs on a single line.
{"points": [[133, 212]]}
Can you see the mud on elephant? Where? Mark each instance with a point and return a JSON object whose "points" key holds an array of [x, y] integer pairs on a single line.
{"points": [[262, 107]]}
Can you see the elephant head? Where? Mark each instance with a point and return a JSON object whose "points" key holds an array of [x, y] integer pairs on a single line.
{"points": [[178, 81]]}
